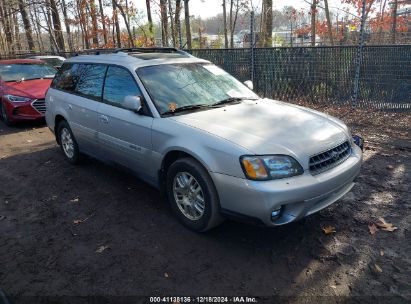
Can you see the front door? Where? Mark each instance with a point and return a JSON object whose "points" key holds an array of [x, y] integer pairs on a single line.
{"points": [[124, 136]]}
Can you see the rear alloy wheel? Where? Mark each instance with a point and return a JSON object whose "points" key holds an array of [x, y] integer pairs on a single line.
{"points": [[192, 195], [4, 116], [68, 143]]}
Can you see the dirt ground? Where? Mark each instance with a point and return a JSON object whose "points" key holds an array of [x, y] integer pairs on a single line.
{"points": [[93, 230]]}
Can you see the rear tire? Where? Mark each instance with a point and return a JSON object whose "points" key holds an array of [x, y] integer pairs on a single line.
{"points": [[192, 195], [68, 143], [4, 116]]}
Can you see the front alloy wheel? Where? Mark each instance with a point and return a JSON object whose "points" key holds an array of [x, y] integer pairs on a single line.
{"points": [[188, 195], [192, 195]]}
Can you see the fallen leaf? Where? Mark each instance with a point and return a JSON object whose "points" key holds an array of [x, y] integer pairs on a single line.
{"points": [[390, 167], [29, 140], [385, 226], [329, 229], [381, 252], [166, 275], [373, 229], [377, 268], [76, 222], [74, 200], [101, 249], [333, 286]]}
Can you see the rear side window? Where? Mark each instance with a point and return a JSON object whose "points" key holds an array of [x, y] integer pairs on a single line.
{"points": [[91, 80], [119, 84], [67, 77]]}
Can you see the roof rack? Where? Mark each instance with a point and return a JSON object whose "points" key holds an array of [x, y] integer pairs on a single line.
{"points": [[99, 51], [149, 50]]}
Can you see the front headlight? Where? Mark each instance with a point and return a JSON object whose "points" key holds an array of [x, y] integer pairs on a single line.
{"points": [[14, 98], [265, 167]]}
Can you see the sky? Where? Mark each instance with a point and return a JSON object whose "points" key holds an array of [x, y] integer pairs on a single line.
{"points": [[208, 8]]}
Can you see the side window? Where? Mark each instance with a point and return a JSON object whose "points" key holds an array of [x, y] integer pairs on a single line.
{"points": [[119, 84], [67, 78], [91, 80]]}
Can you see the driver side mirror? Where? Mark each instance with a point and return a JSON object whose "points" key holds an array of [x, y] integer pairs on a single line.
{"points": [[132, 103], [249, 84]]}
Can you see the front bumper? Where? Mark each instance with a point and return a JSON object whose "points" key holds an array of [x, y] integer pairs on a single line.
{"points": [[22, 111], [297, 196]]}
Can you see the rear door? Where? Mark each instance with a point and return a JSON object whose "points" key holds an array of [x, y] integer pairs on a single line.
{"points": [[124, 135], [82, 104]]}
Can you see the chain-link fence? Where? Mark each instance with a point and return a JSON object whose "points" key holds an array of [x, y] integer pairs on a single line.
{"points": [[323, 74], [318, 74]]}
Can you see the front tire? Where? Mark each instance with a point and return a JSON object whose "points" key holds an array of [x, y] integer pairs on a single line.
{"points": [[68, 143], [192, 195], [3, 115]]}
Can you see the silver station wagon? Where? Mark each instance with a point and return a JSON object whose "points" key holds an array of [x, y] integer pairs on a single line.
{"points": [[206, 140]]}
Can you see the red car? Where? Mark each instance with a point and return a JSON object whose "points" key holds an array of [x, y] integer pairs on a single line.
{"points": [[23, 87]]}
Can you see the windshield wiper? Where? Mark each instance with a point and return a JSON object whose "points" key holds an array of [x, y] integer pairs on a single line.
{"points": [[228, 100], [186, 108]]}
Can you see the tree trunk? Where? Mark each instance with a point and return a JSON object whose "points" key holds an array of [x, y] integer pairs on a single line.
{"points": [[173, 29], [117, 25], [177, 24], [268, 23], [94, 28], [329, 25], [67, 25], [34, 20], [313, 13], [150, 19], [27, 26], [225, 25], [124, 15], [164, 22], [7, 27], [17, 31], [394, 21], [187, 23], [103, 21], [57, 25]]}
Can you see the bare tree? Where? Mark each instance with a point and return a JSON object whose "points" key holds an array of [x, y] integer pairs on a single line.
{"points": [[225, 24], [117, 25], [103, 21], [268, 22], [57, 25], [164, 22], [27, 25], [313, 19], [187, 23], [150, 19], [329, 25], [126, 21]]}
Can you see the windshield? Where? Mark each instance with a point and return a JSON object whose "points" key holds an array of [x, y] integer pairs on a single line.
{"points": [[20, 71], [182, 85]]}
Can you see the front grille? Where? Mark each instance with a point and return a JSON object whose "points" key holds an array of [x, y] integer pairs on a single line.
{"points": [[39, 105], [330, 158]]}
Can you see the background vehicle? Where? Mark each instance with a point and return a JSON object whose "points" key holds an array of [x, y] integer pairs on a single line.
{"points": [[23, 86], [186, 126], [55, 61]]}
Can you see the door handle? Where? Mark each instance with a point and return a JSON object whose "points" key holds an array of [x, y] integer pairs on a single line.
{"points": [[104, 119]]}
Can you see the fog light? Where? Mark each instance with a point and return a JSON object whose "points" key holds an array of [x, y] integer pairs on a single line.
{"points": [[359, 141], [275, 214]]}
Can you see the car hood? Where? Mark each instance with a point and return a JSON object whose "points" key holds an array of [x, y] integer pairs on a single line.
{"points": [[35, 89], [271, 127]]}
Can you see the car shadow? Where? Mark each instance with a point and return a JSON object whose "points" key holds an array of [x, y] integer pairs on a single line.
{"points": [[21, 126]]}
